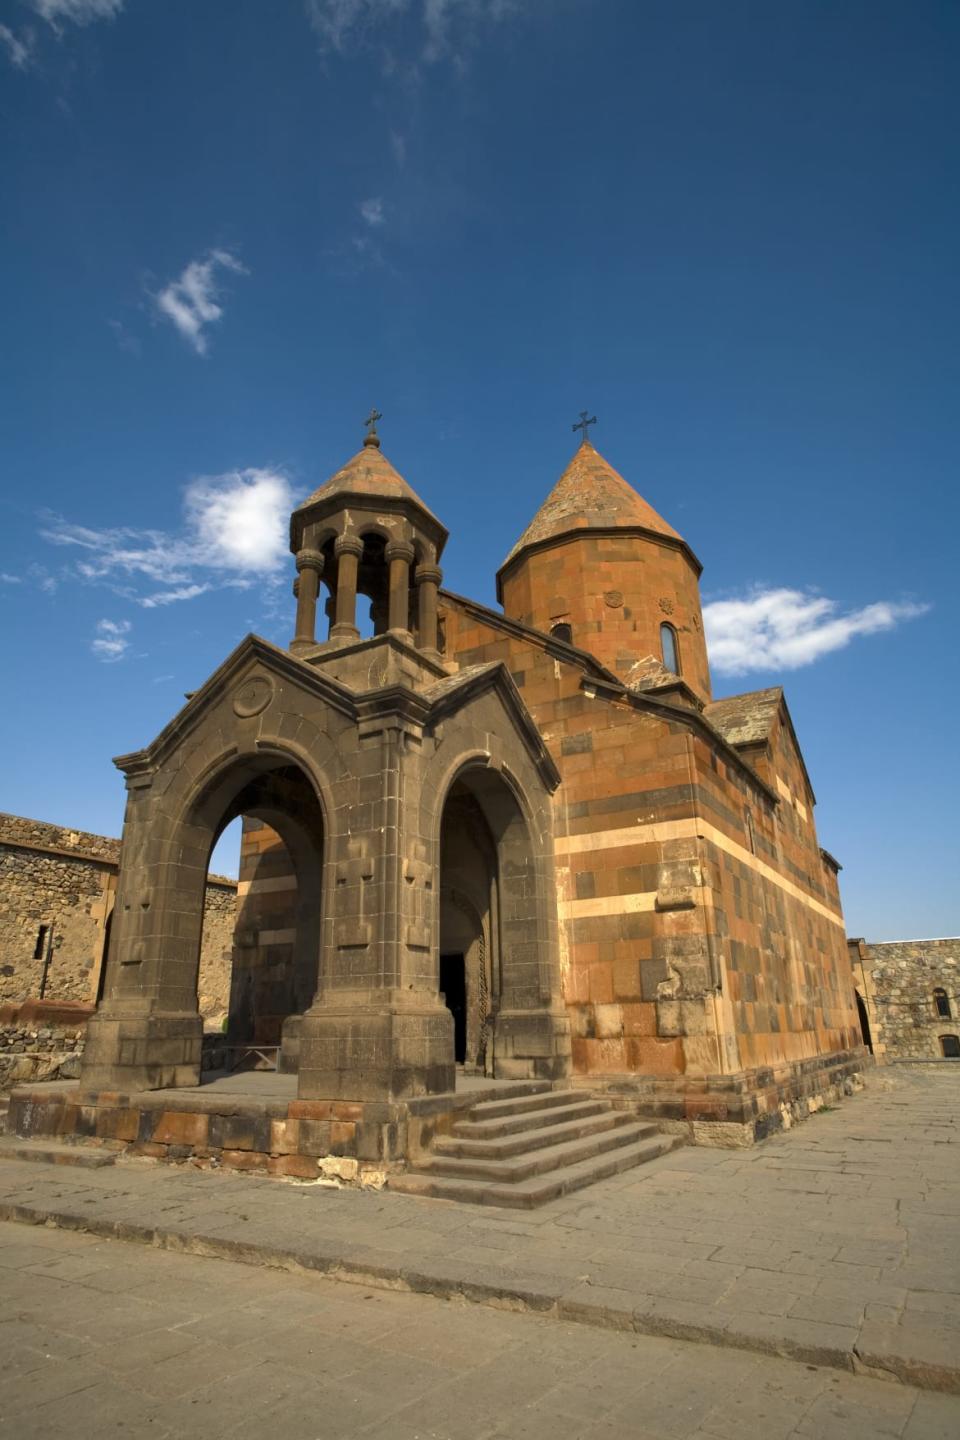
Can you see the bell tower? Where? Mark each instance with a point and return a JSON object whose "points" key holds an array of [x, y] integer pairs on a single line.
{"points": [[599, 568], [365, 534]]}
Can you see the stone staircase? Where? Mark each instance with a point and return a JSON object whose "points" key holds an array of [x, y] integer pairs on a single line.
{"points": [[531, 1148]]}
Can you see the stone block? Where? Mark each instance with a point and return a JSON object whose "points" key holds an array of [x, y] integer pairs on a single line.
{"points": [[244, 1159], [180, 1127], [284, 1137], [298, 1167], [116, 1124]]}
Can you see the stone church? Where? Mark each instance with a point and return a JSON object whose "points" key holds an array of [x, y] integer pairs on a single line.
{"points": [[521, 845]]}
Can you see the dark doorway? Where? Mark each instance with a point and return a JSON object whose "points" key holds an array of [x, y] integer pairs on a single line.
{"points": [[453, 988], [102, 978], [864, 1022]]}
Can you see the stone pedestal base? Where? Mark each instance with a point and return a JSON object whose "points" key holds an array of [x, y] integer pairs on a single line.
{"points": [[360, 1053], [532, 1045], [141, 1052]]}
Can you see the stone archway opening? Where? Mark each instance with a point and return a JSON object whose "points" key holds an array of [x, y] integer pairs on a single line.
{"points": [[497, 957], [469, 925], [864, 1019], [270, 969]]}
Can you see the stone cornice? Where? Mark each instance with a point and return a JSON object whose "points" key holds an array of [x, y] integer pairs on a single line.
{"points": [[364, 504]]}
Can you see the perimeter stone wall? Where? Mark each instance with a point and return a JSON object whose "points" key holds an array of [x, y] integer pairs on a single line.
{"points": [[898, 981], [57, 888]]}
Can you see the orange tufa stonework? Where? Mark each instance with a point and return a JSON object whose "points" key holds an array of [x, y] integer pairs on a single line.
{"points": [[704, 954], [702, 948], [526, 846]]}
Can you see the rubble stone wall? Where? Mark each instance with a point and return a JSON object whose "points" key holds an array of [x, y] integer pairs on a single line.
{"points": [[57, 888], [899, 982]]}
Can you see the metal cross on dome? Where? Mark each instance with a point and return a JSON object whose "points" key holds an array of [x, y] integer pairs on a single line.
{"points": [[584, 425], [371, 420]]}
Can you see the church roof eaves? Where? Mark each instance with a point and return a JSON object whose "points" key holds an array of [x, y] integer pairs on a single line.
{"points": [[748, 719]]}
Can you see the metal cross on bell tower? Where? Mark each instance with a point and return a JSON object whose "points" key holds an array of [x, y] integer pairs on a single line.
{"points": [[371, 437], [584, 425]]}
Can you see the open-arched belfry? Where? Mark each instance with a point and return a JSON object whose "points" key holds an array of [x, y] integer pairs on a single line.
{"points": [[530, 844]]}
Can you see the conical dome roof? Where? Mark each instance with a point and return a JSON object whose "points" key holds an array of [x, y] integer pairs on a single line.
{"points": [[590, 495], [369, 472]]}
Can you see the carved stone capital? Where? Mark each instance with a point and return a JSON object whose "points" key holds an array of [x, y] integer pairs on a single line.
{"points": [[310, 560], [399, 550], [348, 545]]}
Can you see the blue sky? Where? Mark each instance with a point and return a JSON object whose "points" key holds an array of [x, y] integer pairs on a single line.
{"points": [[729, 229]]}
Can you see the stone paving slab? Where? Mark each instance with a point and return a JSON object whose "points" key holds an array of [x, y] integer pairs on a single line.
{"points": [[99, 1338], [835, 1244]]}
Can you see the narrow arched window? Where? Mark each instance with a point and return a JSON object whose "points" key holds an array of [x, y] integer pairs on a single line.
{"points": [[563, 631], [669, 649], [751, 836], [950, 1047], [942, 1001]]}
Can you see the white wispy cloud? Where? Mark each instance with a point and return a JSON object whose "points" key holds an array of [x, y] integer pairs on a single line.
{"points": [[172, 597], [110, 642], [784, 629], [234, 530], [7, 579], [192, 302], [338, 23], [372, 211], [19, 48], [446, 27], [77, 12]]}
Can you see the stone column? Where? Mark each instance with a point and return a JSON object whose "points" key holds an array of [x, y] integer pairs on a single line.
{"points": [[348, 549], [428, 579], [309, 570], [399, 554]]}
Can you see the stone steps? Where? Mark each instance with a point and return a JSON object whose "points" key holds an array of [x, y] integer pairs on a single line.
{"points": [[48, 1152], [496, 1129], [536, 1097], [538, 1160], [502, 1149], [527, 1194], [526, 1150]]}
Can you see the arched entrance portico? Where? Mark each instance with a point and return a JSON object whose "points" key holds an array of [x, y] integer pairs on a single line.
{"points": [[148, 1023]]}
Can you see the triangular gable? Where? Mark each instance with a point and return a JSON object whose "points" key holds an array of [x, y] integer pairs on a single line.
{"points": [[253, 651], [451, 694]]}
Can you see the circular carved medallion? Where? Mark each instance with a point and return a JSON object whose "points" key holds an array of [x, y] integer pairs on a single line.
{"points": [[253, 696], [613, 598], [666, 605]]}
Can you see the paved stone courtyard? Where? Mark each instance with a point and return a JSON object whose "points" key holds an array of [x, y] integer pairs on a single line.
{"points": [[834, 1245], [101, 1338]]}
